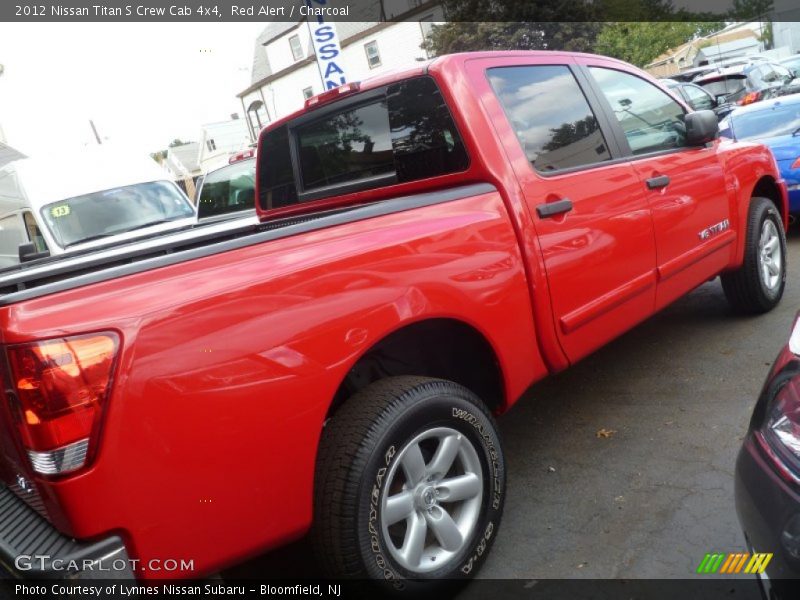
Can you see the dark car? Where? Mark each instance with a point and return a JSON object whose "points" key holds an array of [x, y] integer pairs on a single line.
{"points": [[768, 475], [745, 84], [697, 97]]}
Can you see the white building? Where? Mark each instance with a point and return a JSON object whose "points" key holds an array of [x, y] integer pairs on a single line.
{"points": [[219, 140], [786, 25], [285, 72], [184, 160]]}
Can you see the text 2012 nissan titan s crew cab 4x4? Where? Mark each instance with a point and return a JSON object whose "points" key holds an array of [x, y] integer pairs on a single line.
{"points": [[431, 243]]}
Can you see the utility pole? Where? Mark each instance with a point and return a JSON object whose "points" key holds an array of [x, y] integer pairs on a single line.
{"points": [[2, 135], [94, 130]]}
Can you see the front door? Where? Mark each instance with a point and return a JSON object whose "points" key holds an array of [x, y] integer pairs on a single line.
{"points": [[590, 212], [684, 186]]}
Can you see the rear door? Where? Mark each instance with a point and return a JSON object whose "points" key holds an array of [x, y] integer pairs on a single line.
{"points": [[591, 215], [685, 186]]}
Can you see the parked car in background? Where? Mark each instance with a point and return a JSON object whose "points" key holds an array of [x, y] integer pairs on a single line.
{"points": [[691, 74], [697, 97], [792, 63], [776, 124], [228, 191], [767, 479], [694, 73], [68, 203], [749, 83]]}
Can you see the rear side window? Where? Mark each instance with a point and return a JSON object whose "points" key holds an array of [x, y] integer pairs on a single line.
{"points": [[727, 86], [346, 147], [550, 115], [399, 134], [650, 118]]}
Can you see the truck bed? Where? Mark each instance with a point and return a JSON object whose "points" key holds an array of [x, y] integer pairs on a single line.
{"points": [[49, 275]]}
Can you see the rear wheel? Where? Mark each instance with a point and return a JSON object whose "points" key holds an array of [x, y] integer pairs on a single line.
{"points": [[757, 286], [410, 485]]}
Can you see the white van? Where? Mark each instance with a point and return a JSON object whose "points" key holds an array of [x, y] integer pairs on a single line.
{"points": [[69, 203]]}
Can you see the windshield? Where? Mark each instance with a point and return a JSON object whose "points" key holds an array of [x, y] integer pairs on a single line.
{"points": [[719, 88], [110, 212], [778, 120], [228, 189]]}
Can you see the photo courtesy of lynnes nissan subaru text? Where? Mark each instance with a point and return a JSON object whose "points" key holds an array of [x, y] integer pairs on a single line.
{"points": [[431, 242]]}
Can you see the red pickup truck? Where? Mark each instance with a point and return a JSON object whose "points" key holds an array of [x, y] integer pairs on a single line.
{"points": [[431, 242]]}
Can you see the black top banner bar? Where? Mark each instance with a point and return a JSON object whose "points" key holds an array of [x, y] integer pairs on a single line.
{"points": [[542, 11]]}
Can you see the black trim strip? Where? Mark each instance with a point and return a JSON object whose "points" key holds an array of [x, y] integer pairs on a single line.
{"points": [[34, 286], [25, 533]]}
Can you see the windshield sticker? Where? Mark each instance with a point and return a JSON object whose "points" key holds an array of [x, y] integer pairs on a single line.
{"points": [[60, 211]]}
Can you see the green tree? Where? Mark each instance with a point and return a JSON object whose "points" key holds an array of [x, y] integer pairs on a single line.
{"points": [[639, 43], [570, 25], [510, 25], [751, 10]]}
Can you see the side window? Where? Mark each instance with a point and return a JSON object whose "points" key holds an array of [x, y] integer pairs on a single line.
{"points": [[756, 77], [550, 115], [34, 234], [11, 236], [651, 120], [770, 74], [783, 74], [698, 99]]}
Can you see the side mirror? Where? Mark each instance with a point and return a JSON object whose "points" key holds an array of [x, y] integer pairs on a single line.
{"points": [[702, 127], [28, 252]]}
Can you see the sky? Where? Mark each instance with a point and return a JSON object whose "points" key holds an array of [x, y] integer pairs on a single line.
{"points": [[143, 84]]}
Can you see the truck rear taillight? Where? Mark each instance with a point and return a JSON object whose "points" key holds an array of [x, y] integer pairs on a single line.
{"points": [[62, 386]]}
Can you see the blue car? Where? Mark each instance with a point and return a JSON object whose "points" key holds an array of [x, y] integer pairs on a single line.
{"points": [[776, 124]]}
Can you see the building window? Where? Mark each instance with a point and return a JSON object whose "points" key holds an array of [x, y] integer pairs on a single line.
{"points": [[211, 145], [307, 93], [373, 54], [296, 46]]}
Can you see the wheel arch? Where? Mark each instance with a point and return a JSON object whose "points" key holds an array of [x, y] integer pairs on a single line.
{"points": [[444, 348], [767, 187]]}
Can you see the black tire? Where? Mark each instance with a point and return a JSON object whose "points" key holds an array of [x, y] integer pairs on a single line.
{"points": [[745, 288], [358, 459]]}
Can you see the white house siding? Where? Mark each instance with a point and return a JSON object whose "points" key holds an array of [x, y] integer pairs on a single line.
{"points": [[279, 51], [786, 34], [285, 95], [398, 45], [228, 136]]}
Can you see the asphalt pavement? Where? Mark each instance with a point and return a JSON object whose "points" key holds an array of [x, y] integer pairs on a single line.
{"points": [[622, 466]]}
